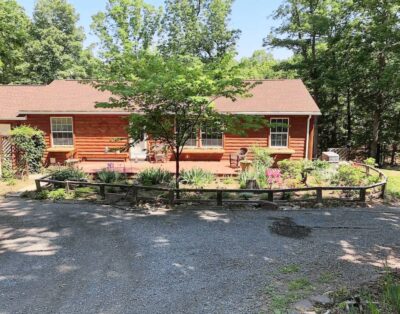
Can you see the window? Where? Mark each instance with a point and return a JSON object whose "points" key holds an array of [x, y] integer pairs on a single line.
{"points": [[279, 132], [62, 131], [211, 137]]}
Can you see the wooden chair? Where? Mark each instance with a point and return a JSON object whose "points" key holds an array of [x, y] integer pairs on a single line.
{"points": [[234, 159]]}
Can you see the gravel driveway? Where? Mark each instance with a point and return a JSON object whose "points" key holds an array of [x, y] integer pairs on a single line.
{"points": [[68, 258]]}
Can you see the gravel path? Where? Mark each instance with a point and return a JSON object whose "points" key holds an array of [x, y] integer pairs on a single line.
{"points": [[68, 258]]}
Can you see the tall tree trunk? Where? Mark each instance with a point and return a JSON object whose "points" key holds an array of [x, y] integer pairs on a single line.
{"points": [[375, 134], [177, 166], [349, 122], [393, 157]]}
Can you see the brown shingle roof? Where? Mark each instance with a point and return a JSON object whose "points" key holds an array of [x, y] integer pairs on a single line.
{"points": [[272, 97]]}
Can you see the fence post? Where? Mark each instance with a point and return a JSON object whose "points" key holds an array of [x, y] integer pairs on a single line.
{"points": [[134, 195], [219, 198], [270, 196], [67, 188], [319, 195], [171, 197], [362, 195], [383, 190], [38, 186], [102, 190]]}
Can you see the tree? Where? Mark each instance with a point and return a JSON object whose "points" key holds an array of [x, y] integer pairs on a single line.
{"points": [[57, 45], [171, 90], [198, 27], [14, 36], [262, 65]]}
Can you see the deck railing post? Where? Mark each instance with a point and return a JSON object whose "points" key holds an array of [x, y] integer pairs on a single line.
{"points": [[219, 198], [67, 187], [38, 186], [319, 195], [363, 195]]}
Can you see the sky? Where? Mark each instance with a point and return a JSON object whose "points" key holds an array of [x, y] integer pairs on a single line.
{"points": [[252, 17]]}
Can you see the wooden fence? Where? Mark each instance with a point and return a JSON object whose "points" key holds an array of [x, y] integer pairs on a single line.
{"points": [[174, 196]]}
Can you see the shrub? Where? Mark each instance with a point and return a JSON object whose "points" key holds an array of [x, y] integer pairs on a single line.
{"points": [[245, 176], [349, 175], [6, 169], [83, 191], [197, 177], [290, 169], [370, 162], [63, 173], [152, 176], [108, 175], [56, 195], [262, 156], [30, 145], [245, 196], [320, 165], [273, 177], [42, 195]]}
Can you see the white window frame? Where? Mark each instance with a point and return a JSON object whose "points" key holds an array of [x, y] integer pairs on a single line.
{"points": [[72, 132], [286, 133], [210, 146]]}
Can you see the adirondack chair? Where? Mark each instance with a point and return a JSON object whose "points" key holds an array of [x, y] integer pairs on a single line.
{"points": [[234, 159]]}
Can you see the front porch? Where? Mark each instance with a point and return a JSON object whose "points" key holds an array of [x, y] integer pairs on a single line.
{"points": [[219, 168]]}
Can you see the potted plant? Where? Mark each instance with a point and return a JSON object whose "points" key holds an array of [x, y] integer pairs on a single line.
{"points": [[245, 164]]}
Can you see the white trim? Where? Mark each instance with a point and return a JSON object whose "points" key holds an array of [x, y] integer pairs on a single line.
{"points": [[51, 131], [76, 112], [276, 113], [13, 119], [308, 136], [287, 133]]}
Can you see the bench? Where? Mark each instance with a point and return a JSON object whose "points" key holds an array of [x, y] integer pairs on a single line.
{"points": [[102, 156]]}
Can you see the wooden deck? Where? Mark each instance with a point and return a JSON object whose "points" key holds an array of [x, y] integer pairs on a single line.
{"points": [[219, 168]]}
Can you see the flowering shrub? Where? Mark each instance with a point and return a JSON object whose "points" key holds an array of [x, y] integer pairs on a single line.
{"points": [[274, 177]]}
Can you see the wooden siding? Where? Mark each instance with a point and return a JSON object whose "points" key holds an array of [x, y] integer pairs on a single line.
{"points": [[92, 133]]}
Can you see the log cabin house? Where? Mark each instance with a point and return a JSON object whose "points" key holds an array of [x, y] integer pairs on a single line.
{"points": [[74, 128]]}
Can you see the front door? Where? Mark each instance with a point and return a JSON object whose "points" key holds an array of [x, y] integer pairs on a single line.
{"points": [[138, 151]]}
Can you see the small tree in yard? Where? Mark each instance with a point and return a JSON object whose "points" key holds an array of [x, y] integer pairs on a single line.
{"points": [[171, 97], [170, 87]]}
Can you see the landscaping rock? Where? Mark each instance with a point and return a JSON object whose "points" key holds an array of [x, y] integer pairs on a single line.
{"points": [[304, 306], [321, 299]]}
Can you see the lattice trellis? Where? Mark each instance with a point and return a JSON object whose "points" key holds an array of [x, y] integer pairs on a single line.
{"points": [[6, 149]]}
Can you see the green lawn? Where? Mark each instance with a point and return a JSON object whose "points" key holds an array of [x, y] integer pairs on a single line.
{"points": [[393, 186]]}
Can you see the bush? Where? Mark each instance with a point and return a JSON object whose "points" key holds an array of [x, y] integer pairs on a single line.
{"points": [[83, 191], [349, 175], [321, 165], [30, 145], [262, 156], [63, 173], [152, 176], [57, 195], [197, 177], [107, 175], [370, 162], [6, 169], [42, 195], [290, 169]]}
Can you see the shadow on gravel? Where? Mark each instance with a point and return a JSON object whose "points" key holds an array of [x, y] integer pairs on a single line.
{"points": [[286, 227]]}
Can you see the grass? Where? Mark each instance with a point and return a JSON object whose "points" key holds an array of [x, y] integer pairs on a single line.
{"points": [[300, 284], [393, 186], [290, 269]]}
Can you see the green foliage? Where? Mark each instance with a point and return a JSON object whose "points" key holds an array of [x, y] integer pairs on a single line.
{"points": [[349, 175], [42, 195], [262, 157], [153, 176], [321, 165], [197, 176], [245, 196], [30, 145], [63, 173], [14, 36], [290, 269], [391, 294], [57, 195], [299, 284], [83, 191], [290, 168], [107, 175], [6, 169], [370, 162], [57, 45]]}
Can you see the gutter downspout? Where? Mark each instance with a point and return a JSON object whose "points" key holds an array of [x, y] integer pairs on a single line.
{"points": [[308, 136]]}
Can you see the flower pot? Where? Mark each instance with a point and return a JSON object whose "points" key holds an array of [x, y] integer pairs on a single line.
{"points": [[245, 165]]}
